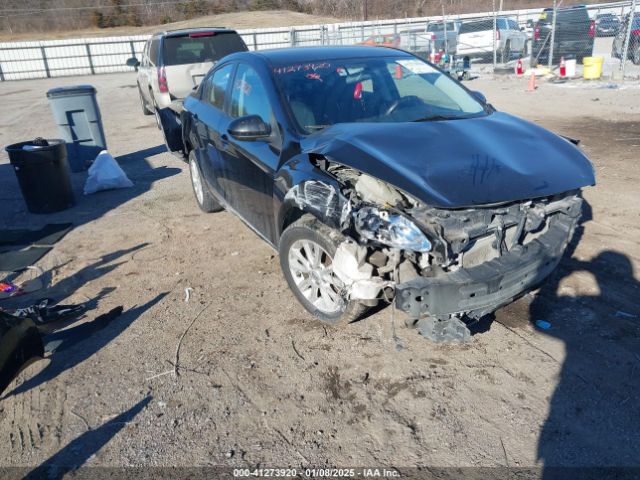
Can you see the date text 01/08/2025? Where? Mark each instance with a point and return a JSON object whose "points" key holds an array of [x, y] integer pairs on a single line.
{"points": [[317, 472]]}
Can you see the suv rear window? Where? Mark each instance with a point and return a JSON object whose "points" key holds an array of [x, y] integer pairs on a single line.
{"points": [[568, 15], [439, 27], [480, 26], [200, 47]]}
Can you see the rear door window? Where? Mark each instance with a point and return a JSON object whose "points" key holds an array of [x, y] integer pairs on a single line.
{"points": [[214, 88], [513, 25], [199, 47], [153, 51]]}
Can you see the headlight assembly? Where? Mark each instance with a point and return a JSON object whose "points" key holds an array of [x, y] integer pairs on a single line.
{"points": [[390, 229]]}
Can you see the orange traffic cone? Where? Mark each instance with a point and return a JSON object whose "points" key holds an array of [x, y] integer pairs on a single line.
{"points": [[563, 67], [532, 83], [519, 68]]}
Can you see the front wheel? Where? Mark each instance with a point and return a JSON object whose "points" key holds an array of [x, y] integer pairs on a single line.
{"points": [[205, 201], [307, 248], [636, 55]]}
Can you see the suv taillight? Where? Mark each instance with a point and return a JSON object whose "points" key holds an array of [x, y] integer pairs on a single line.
{"points": [[635, 32], [536, 33], [592, 29], [497, 35], [162, 80]]}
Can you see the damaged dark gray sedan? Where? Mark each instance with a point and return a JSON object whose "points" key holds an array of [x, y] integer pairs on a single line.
{"points": [[378, 178]]}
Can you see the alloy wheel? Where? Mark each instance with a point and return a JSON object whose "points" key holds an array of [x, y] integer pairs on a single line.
{"points": [[312, 272], [197, 181]]}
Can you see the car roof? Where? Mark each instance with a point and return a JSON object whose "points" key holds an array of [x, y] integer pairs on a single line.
{"points": [[187, 31], [315, 54]]}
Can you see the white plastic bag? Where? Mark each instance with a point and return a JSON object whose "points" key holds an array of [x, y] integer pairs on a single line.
{"points": [[105, 174]]}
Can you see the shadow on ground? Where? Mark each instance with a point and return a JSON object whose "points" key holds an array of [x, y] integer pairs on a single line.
{"points": [[88, 207], [78, 451], [592, 420], [74, 345], [594, 410]]}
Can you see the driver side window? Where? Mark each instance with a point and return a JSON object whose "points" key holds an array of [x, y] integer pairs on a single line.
{"points": [[249, 97]]}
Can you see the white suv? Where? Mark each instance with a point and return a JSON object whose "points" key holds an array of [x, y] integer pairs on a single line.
{"points": [[475, 38], [174, 62]]}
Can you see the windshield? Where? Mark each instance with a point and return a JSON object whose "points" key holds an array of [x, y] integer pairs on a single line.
{"points": [[200, 47], [400, 89]]}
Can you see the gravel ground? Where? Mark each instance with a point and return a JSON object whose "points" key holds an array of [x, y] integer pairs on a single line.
{"points": [[261, 383]]}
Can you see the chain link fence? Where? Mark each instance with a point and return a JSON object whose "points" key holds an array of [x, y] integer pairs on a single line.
{"points": [[556, 37]]}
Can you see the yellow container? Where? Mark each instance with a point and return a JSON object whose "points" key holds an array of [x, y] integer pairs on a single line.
{"points": [[592, 67]]}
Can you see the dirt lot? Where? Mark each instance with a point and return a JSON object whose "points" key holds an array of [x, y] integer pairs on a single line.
{"points": [[261, 383]]}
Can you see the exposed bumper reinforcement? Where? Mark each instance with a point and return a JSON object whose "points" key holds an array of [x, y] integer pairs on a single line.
{"points": [[482, 289]]}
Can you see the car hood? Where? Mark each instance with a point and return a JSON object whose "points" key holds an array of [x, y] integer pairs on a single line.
{"points": [[459, 163]]}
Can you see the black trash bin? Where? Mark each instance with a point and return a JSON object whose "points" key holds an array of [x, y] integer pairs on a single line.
{"points": [[43, 174]]}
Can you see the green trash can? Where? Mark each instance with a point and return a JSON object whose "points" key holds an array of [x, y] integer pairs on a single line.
{"points": [[76, 112], [43, 174]]}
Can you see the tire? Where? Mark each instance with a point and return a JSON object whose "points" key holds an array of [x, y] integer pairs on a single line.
{"points": [[295, 241], [205, 201], [143, 104], [156, 113], [506, 52], [635, 56]]}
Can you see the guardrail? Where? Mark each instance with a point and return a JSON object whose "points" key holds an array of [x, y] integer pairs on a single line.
{"points": [[86, 56]]}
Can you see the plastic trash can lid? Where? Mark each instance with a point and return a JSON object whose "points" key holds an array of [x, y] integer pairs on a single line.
{"points": [[71, 91]]}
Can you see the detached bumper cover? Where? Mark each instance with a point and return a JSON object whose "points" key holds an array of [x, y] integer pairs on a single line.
{"points": [[479, 290]]}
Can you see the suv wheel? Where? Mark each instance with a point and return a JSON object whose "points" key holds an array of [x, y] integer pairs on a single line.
{"points": [[636, 55], [306, 250], [156, 113], [506, 52], [143, 104], [205, 201]]}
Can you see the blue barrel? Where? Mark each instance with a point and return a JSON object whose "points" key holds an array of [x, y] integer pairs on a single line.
{"points": [[77, 115]]}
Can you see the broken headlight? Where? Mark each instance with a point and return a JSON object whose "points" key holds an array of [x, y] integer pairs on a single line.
{"points": [[391, 229]]}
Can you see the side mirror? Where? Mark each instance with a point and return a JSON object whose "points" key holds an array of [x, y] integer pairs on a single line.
{"points": [[249, 128], [133, 62], [480, 96]]}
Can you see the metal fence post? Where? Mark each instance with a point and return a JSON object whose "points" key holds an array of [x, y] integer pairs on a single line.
{"points": [[1, 73], [44, 60], [553, 33], [292, 37], [255, 41], [133, 49], [625, 49], [495, 30], [88, 47]]}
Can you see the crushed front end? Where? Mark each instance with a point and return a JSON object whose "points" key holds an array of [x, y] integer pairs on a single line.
{"points": [[441, 263]]}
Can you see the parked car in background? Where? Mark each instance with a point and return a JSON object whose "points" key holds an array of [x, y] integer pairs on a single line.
{"points": [[476, 38], [634, 40], [607, 24], [574, 35], [416, 41], [174, 62], [444, 35], [529, 27], [388, 40], [321, 151]]}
